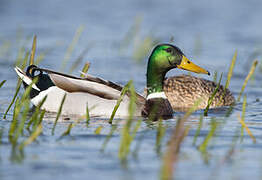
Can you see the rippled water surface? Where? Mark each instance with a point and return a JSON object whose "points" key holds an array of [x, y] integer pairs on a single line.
{"points": [[208, 32]]}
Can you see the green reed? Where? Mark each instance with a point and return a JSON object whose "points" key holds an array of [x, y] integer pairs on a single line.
{"points": [[242, 122], [120, 99], [229, 75], [251, 72], [87, 115], [128, 134], [243, 115], [85, 69], [211, 98], [203, 147], [78, 61], [5, 49], [131, 34], [177, 137], [108, 137], [32, 137], [98, 130], [2, 83], [32, 56], [215, 77], [35, 119], [231, 68], [21, 105], [71, 47], [14, 97], [68, 130], [58, 113]]}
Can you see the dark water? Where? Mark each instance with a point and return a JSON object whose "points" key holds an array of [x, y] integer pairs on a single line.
{"points": [[216, 29]]}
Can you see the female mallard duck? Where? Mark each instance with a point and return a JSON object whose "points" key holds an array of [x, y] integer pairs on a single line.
{"points": [[101, 95]]}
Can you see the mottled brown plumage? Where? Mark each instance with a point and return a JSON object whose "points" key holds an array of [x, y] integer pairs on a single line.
{"points": [[182, 91]]}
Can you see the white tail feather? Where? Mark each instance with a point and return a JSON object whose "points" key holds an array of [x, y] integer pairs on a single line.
{"points": [[25, 78]]}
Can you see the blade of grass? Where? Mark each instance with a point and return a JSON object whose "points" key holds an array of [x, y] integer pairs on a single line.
{"points": [[14, 97], [87, 115], [85, 69], [33, 137], [126, 135], [231, 68], [251, 72], [98, 130], [34, 117], [108, 137], [211, 98], [215, 77], [71, 47], [78, 60], [68, 130], [32, 56], [2, 83], [21, 125], [120, 99], [243, 115], [229, 75], [58, 114], [203, 146]]}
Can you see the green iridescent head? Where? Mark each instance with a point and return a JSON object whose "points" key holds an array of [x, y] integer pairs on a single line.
{"points": [[163, 58]]}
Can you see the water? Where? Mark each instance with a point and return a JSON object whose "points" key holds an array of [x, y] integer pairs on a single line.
{"points": [[219, 27]]}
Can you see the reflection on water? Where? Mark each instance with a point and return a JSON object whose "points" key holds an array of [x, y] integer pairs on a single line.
{"points": [[218, 27]]}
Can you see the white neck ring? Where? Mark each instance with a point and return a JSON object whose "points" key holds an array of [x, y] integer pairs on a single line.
{"points": [[156, 95]]}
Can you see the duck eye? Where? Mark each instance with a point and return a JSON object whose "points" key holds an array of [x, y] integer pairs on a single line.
{"points": [[169, 50]]}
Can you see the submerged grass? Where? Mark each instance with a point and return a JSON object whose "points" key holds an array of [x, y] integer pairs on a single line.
{"points": [[242, 122], [198, 129], [209, 136], [32, 137], [161, 130], [171, 154]]}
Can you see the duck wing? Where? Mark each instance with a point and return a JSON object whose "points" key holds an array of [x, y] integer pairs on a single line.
{"points": [[100, 94]]}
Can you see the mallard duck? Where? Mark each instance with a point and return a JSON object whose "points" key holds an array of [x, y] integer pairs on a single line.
{"points": [[101, 95]]}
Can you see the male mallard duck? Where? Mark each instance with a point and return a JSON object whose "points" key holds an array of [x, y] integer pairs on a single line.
{"points": [[101, 95]]}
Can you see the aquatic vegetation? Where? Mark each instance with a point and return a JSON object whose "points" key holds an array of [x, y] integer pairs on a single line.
{"points": [[129, 133], [71, 47], [140, 45], [58, 114], [210, 100], [251, 72], [247, 129], [2, 83]]}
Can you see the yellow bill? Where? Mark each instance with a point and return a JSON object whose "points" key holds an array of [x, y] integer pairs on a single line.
{"points": [[189, 66]]}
